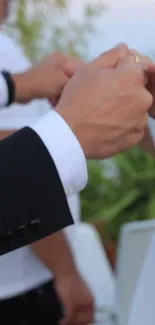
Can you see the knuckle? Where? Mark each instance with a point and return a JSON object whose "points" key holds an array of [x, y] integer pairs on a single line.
{"points": [[125, 48], [121, 51]]}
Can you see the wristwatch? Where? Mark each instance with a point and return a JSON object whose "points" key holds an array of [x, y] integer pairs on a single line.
{"points": [[7, 89]]}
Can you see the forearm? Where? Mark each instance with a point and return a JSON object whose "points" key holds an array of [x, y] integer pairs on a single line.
{"points": [[5, 133], [54, 251]]}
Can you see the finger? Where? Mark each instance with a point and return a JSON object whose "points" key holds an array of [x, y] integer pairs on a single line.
{"points": [[60, 82], [54, 100], [109, 59], [147, 100], [128, 60], [136, 73], [144, 70], [71, 66], [142, 58], [131, 59], [151, 68]]}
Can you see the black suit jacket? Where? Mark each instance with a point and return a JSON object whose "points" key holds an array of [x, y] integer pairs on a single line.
{"points": [[33, 204]]}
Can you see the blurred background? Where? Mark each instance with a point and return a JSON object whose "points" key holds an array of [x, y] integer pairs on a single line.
{"points": [[121, 189]]}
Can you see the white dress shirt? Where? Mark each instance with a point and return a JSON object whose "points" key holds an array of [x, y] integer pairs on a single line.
{"points": [[21, 270]]}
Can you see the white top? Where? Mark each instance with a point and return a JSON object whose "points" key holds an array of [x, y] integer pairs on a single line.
{"points": [[143, 304], [59, 139], [21, 270]]}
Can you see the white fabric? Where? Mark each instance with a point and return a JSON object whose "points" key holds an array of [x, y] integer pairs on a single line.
{"points": [[65, 150], [143, 306], [94, 266], [13, 59], [21, 270], [3, 91]]}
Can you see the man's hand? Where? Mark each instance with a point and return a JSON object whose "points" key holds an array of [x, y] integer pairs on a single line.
{"points": [[106, 106], [46, 79], [77, 300]]}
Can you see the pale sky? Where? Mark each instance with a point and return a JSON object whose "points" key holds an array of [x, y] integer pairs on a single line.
{"points": [[130, 21]]}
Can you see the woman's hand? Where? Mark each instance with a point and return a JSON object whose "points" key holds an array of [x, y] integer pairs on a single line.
{"points": [[46, 79], [135, 57]]}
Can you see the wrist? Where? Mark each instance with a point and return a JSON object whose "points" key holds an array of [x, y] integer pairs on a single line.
{"points": [[25, 87]]}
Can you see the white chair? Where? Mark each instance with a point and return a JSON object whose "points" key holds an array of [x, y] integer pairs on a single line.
{"points": [[93, 265], [134, 244]]}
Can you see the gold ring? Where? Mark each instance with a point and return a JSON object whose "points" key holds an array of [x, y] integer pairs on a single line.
{"points": [[136, 57]]}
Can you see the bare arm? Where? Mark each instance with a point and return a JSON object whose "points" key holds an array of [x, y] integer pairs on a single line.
{"points": [[77, 299], [54, 251], [5, 133]]}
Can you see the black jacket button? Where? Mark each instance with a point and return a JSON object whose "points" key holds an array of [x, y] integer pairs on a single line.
{"points": [[33, 225], [20, 231]]}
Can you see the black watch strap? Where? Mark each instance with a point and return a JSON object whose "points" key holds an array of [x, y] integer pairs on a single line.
{"points": [[11, 87]]}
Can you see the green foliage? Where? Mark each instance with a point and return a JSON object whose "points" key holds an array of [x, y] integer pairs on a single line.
{"points": [[125, 196], [42, 26]]}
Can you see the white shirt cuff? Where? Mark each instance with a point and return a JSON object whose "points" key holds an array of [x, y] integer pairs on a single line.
{"points": [[65, 150], [3, 92]]}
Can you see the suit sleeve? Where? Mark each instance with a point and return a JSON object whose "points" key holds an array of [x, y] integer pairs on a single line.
{"points": [[33, 203]]}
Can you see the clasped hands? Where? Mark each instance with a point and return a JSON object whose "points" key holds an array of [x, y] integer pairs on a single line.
{"points": [[105, 102]]}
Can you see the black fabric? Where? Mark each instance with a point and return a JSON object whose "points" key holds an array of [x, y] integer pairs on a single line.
{"points": [[33, 204], [40, 306], [11, 87]]}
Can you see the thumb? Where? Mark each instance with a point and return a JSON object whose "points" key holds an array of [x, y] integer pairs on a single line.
{"points": [[71, 66], [110, 58]]}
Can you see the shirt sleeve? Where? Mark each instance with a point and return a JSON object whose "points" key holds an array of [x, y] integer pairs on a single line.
{"points": [[3, 92], [65, 150]]}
